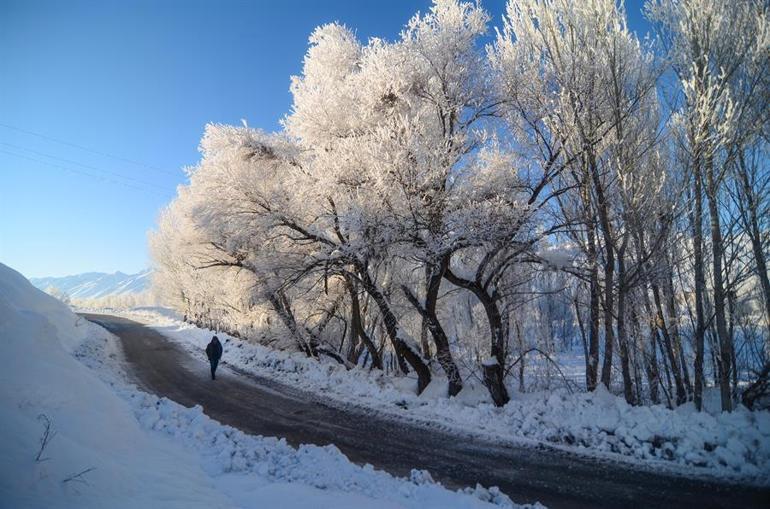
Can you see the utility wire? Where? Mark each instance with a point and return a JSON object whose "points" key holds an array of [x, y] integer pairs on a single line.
{"points": [[85, 173], [87, 149], [83, 165]]}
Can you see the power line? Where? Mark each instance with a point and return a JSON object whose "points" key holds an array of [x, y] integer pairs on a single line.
{"points": [[83, 165], [87, 149], [85, 173]]}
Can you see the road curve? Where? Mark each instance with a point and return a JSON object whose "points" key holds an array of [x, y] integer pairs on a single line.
{"points": [[260, 406]]}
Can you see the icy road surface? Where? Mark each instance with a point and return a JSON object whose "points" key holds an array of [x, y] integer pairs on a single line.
{"points": [[527, 474]]}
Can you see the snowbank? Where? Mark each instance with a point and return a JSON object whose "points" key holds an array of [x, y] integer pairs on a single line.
{"points": [[733, 445], [227, 450], [93, 432], [114, 446]]}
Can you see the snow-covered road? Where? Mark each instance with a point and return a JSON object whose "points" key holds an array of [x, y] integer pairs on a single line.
{"points": [[261, 406]]}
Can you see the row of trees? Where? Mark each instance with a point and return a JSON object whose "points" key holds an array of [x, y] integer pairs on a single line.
{"points": [[493, 201], [122, 301]]}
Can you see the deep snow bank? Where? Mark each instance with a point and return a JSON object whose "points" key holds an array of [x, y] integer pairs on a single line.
{"points": [[91, 427], [731, 445], [114, 446]]}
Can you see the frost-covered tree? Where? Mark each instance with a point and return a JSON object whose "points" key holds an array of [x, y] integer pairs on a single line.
{"points": [[408, 148], [578, 87], [709, 44], [496, 202]]}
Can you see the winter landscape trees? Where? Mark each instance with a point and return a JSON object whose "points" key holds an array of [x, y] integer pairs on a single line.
{"points": [[461, 203]]}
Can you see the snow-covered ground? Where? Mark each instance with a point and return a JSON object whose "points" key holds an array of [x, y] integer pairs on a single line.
{"points": [[111, 445], [734, 446]]}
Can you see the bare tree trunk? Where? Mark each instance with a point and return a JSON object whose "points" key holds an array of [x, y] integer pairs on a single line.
{"points": [[637, 364], [609, 289], [424, 344], [668, 389], [583, 337], [424, 322], [592, 372], [653, 374], [520, 341], [681, 394], [628, 386], [493, 374], [428, 313], [733, 358], [700, 283], [443, 352], [282, 309], [403, 350], [651, 353], [307, 341], [357, 326], [751, 218], [672, 323], [725, 345]]}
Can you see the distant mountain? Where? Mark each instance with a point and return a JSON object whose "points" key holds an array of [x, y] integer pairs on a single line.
{"points": [[94, 285]]}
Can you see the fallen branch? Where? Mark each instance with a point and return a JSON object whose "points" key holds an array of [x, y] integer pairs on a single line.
{"points": [[79, 476], [48, 435]]}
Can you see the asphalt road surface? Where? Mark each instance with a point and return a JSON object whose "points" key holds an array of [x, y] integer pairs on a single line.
{"points": [[526, 474]]}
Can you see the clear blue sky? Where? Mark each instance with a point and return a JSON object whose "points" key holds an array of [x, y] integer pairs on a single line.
{"points": [[102, 104]]}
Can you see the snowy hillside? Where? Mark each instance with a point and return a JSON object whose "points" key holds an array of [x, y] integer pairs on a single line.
{"points": [[95, 285], [81, 439]]}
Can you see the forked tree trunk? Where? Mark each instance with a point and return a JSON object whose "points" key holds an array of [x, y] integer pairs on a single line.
{"points": [[357, 326], [494, 381], [404, 351], [440, 339]]}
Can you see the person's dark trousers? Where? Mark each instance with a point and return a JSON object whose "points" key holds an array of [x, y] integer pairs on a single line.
{"points": [[214, 363]]}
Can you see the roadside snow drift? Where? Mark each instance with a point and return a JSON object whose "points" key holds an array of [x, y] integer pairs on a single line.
{"points": [[93, 433], [118, 447]]}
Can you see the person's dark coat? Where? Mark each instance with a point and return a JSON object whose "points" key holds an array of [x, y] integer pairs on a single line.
{"points": [[214, 349], [214, 353]]}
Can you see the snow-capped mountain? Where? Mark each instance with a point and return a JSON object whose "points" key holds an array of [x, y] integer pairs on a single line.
{"points": [[94, 285]]}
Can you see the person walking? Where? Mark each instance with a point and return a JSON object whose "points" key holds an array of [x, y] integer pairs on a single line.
{"points": [[214, 353]]}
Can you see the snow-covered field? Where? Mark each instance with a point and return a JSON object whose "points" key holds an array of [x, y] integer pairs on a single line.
{"points": [[111, 445], [734, 446]]}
